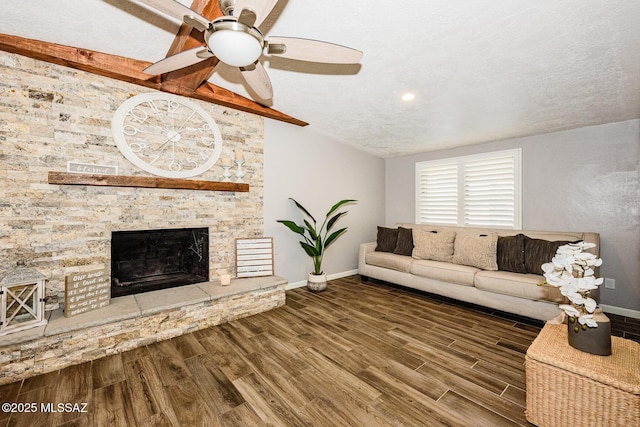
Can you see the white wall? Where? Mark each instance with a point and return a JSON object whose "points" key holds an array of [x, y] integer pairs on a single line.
{"points": [[318, 172], [585, 179]]}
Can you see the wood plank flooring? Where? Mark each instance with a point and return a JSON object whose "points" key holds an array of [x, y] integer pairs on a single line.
{"points": [[358, 354]]}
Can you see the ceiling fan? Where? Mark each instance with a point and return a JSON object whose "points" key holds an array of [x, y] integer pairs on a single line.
{"points": [[236, 40]]}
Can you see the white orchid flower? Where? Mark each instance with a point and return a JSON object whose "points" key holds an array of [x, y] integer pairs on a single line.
{"points": [[571, 271], [547, 267], [586, 283], [552, 279], [568, 264], [575, 298], [585, 245], [570, 310], [587, 319], [569, 249], [590, 305]]}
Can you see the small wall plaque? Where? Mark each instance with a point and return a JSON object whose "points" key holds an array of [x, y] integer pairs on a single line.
{"points": [[78, 167], [86, 292], [254, 257]]}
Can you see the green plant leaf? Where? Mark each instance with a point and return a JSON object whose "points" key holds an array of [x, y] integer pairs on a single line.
{"points": [[334, 236], [310, 250], [337, 205], [311, 230], [302, 208], [334, 219], [292, 226]]}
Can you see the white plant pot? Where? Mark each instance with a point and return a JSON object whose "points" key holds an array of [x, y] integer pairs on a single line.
{"points": [[317, 282]]}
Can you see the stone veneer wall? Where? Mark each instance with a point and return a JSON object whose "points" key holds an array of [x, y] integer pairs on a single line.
{"points": [[51, 114]]}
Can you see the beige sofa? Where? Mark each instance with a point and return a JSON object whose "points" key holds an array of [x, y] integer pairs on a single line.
{"points": [[509, 291]]}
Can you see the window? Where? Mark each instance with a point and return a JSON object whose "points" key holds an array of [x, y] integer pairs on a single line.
{"points": [[479, 190]]}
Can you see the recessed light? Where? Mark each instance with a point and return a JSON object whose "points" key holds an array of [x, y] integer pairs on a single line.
{"points": [[408, 96]]}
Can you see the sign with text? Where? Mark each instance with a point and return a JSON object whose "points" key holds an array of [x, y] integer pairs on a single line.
{"points": [[86, 292], [78, 167]]}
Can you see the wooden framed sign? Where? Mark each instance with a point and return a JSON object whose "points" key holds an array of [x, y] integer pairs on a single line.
{"points": [[86, 292], [254, 257]]}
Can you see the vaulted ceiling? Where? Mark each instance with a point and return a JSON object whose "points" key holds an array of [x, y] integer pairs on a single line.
{"points": [[480, 70]]}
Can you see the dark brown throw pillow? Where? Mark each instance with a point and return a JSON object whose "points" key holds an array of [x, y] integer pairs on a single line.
{"points": [[405, 242], [387, 239], [510, 254], [538, 252]]}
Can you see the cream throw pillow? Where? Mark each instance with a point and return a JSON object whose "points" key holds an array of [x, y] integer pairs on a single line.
{"points": [[437, 246], [476, 250]]}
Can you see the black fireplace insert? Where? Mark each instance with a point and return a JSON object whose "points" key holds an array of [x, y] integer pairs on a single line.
{"points": [[149, 260]]}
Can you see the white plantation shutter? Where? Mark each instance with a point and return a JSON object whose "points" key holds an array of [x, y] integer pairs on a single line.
{"points": [[437, 201], [490, 191], [482, 190]]}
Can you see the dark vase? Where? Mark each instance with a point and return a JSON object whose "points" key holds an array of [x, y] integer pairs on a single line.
{"points": [[591, 340]]}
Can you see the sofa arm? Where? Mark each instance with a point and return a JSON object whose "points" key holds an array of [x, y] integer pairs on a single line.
{"points": [[365, 248]]}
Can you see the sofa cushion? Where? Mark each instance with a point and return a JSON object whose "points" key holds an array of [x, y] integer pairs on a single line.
{"points": [[510, 253], [389, 260], [433, 245], [538, 252], [444, 271], [405, 242], [476, 250], [517, 285], [387, 239]]}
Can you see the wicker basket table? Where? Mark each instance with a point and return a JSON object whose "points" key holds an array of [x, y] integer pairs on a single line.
{"points": [[567, 387]]}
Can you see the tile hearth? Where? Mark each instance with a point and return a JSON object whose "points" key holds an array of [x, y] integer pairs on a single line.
{"points": [[131, 321]]}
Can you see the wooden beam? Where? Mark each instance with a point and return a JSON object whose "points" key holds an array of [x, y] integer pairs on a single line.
{"points": [[130, 70], [192, 77], [69, 178], [187, 37]]}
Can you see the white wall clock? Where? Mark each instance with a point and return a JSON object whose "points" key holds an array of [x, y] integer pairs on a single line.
{"points": [[166, 135]]}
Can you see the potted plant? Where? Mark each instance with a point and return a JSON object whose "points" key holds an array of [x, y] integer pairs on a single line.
{"points": [[572, 270], [316, 239]]}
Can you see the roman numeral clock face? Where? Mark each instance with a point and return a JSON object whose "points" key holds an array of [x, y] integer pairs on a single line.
{"points": [[166, 135]]}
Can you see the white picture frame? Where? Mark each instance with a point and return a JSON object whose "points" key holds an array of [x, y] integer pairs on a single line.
{"points": [[254, 257]]}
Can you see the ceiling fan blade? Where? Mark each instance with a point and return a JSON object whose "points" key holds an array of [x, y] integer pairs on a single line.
{"points": [[179, 60], [247, 17], [313, 50], [257, 77], [179, 11], [261, 8]]}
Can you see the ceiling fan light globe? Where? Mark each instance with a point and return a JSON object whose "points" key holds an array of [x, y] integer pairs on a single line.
{"points": [[235, 48]]}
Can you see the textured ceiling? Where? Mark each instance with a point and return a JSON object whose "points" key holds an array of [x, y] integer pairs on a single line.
{"points": [[481, 70]]}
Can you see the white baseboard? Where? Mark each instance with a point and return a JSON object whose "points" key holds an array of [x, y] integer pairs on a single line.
{"points": [[334, 276], [620, 311], [343, 274], [294, 285]]}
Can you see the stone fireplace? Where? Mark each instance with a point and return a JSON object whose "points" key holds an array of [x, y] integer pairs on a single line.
{"points": [[55, 115], [150, 260]]}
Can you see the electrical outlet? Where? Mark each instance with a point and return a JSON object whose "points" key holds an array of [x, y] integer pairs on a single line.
{"points": [[609, 283]]}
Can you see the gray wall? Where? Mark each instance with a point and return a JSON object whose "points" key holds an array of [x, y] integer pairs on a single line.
{"points": [[585, 179], [318, 172]]}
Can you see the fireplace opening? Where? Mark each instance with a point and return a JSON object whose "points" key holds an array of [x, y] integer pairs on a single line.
{"points": [[149, 260]]}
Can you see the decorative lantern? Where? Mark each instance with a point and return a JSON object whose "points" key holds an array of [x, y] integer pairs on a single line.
{"points": [[22, 300]]}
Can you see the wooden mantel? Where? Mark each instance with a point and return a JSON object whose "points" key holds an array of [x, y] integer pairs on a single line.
{"points": [[70, 178]]}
